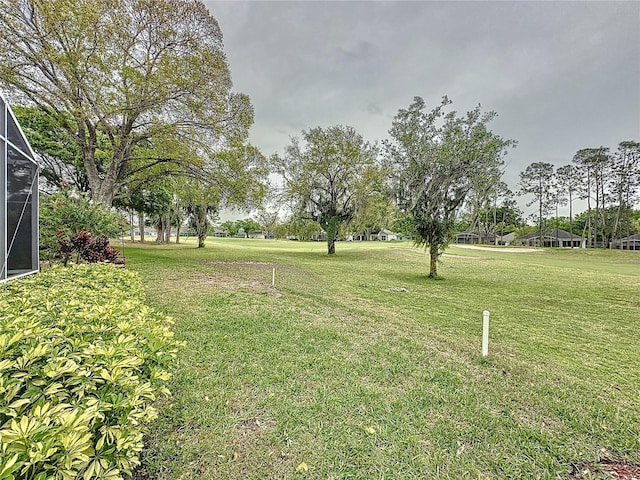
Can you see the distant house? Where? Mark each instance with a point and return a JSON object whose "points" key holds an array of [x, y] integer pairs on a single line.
{"points": [[219, 232], [319, 237], [632, 242], [359, 237], [261, 234], [148, 232], [385, 235], [382, 235], [551, 238], [467, 238]]}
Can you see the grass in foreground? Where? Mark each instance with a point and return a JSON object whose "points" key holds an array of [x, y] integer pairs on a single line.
{"points": [[359, 367]]}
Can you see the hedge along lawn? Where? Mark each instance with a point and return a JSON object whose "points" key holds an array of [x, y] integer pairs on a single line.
{"points": [[358, 366]]}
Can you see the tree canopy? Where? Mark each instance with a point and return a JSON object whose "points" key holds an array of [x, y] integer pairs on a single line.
{"points": [[328, 176], [149, 75], [438, 159], [538, 180]]}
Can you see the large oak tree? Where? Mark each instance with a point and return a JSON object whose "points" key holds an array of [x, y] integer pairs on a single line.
{"points": [[135, 71], [327, 177]]}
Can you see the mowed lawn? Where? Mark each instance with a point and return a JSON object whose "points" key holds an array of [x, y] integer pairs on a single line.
{"points": [[359, 367]]}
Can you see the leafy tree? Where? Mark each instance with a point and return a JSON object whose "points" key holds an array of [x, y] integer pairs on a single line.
{"points": [[326, 178], [160, 202], [375, 212], [438, 157], [509, 216], [232, 228], [268, 221], [135, 71], [624, 185], [201, 203], [563, 223], [593, 163], [404, 224], [248, 225], [59, 155], [537, 180], [233, 177], [303, 229], [63, 215]]}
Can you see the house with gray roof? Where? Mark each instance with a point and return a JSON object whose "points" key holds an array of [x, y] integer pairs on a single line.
{"points": [[632, 242], [553, 237]]}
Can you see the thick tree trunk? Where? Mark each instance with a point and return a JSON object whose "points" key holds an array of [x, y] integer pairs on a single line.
{"points": [[160, 231], [201, 239], [433, 263], [178, 234], [167, 228]]}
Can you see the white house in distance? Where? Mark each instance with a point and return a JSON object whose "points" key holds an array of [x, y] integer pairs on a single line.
{"points": [[385, 235], [382, 235], [19, 199]]}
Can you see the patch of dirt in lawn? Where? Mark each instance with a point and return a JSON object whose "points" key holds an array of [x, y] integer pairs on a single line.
{"points": [[247, 432], [239, 262], [617, 470], [231, 281]]}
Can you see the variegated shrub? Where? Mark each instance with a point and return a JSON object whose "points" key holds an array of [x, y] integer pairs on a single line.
{"points": [[82, 360]]}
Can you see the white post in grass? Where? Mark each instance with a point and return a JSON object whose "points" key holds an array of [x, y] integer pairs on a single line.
{"points": [[485, 333], [273, 278]]}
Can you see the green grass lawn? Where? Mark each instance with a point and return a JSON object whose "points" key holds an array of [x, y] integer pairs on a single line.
{"points": [[360, 367]]}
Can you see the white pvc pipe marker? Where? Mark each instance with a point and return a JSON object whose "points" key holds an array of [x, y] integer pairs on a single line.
{"points": [[273, 278], [485, 333]]}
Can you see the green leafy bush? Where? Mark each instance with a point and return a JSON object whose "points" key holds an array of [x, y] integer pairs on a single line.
{"points": [[82, 360], [65, 214]]}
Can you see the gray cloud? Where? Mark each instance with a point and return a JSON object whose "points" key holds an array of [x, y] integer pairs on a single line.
{"points": [[561, 75]]}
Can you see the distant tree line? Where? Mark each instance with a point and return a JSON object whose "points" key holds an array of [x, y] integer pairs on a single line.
{"points": [[132, 103], [608, 181]]}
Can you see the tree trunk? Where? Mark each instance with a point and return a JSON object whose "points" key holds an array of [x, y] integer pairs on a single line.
{"points": [[201, 239], [495, 221], [433, 263], [595, 221], [131, 227], [588, 208], [540, 203], [178, 234], [331, 245], [571, 217], [167, 228], [331, 230], [160, 231], [141, 226]]}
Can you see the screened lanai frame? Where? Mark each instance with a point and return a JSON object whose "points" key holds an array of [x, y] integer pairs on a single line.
{"points": [[19, 199]]}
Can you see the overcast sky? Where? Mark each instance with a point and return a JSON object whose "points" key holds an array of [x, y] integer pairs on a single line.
{"points": [[561, 75]]}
